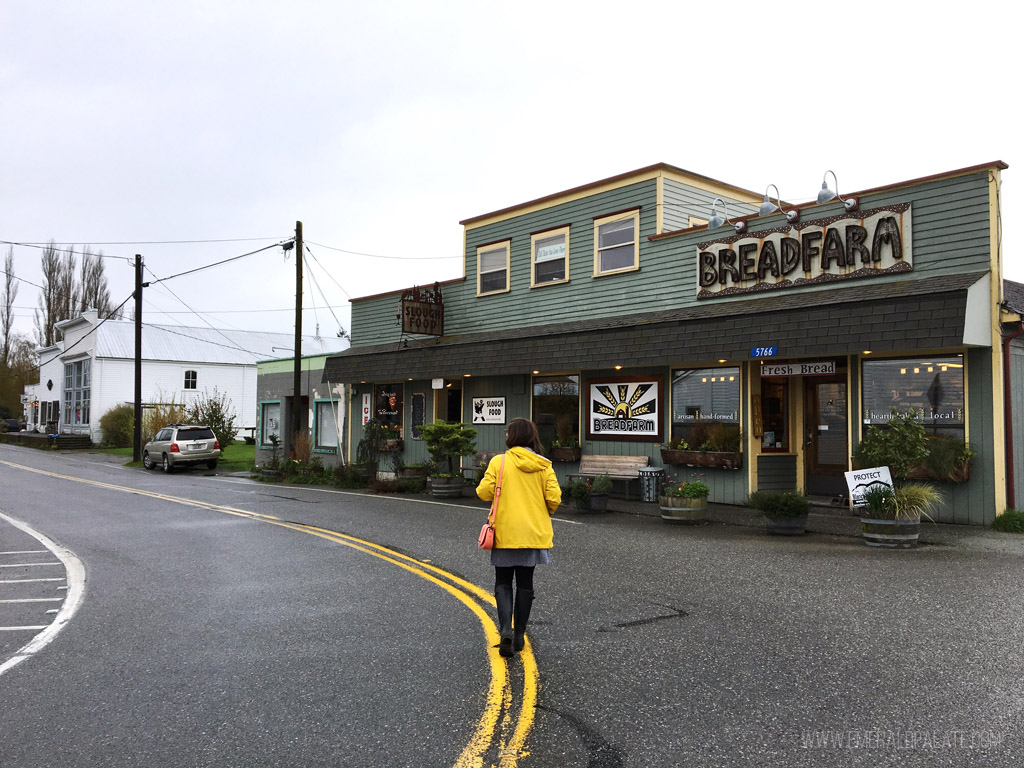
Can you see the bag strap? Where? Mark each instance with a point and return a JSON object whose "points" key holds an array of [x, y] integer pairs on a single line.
{"points": [[497, 492]]}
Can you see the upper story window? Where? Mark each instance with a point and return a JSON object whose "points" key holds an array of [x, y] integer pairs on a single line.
{"points": [[190, 379], [616, 242], [492, 266], [550, 255]]}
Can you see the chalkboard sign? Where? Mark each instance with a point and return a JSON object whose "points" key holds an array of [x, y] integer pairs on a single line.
{"points": [[418, 413]]}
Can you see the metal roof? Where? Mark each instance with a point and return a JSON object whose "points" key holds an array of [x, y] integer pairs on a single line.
{"points": [[116, 339]]}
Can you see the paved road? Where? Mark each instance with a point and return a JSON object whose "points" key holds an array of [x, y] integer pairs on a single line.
{"points": [[210, 639]]}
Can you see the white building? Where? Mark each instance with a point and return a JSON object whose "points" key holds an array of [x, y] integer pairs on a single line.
{"points": [[92, 369]]}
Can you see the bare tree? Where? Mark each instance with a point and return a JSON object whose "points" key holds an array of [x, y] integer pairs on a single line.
{"points": [[57, 300], [93, 292], [7, 307]]}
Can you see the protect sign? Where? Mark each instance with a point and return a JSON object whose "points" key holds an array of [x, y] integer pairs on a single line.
{"points": [[860, 481]]}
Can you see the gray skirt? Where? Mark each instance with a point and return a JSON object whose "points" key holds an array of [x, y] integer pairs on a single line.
{"points": [[507, 558]]}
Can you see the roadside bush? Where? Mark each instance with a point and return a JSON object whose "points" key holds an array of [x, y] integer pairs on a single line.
{"points": [[214, 411], [343, 476], [159, 415], [118, 425], [777, 504], [1011, 521]]}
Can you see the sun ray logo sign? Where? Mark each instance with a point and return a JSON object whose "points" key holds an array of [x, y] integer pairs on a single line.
{"points": [[624, 409]]}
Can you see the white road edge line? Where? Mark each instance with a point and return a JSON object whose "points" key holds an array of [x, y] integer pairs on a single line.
{"points": [[76, 591], [483, 510]]}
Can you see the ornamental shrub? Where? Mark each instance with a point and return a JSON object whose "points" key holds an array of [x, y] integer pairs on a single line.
{"points": [[214, 411], [775, 504], [118, 425], [688, 489]]}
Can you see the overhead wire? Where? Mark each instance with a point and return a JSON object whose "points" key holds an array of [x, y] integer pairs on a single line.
{"points": [[378, 256], [316, 283]]}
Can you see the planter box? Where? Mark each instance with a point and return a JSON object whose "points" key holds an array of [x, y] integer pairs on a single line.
{"points": [[961, 473], [786, 526], [709, 459], [891, 534], [598, 503], [565, 454], [679, 509], [411, 473]]}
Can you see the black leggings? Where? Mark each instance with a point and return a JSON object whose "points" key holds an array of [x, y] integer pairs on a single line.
{"points": [[523, 575]]}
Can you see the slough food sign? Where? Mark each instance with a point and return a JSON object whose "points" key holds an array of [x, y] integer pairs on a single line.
{"points": [[848, 246]]}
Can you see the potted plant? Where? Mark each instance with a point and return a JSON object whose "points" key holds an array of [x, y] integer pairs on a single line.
{"points": [[447, 443], [685, 501], [565, 450], [892, 517], [590, 494], [785, 514], [901, 445], [375, 434]]}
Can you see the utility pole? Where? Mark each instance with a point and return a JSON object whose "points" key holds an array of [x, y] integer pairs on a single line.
{"points": [[137, 437], [298, 414]]}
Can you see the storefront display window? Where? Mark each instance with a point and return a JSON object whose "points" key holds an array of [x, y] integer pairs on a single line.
{"points": [[705, 406], [77, 382], [556, 409], [387, 408], [931, 387], [775, 416]]}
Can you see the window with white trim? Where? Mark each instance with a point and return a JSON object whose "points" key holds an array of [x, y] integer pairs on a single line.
{"points": [[325, 425], [492, 268], [191, 378], [270, 423], [77, 389], [550, 254], [616, 243]]}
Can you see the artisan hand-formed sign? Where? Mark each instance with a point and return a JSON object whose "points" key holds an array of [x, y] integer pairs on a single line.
{"points": [[625, 408], [850, 245]]}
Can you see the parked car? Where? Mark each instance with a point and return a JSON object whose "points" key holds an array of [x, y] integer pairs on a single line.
{"points": [[181, 445], [13, 425]]}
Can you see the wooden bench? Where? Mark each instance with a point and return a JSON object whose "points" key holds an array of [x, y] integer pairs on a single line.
{"points": [[625, 468]]}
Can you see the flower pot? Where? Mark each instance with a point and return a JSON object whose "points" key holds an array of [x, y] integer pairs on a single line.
{"points": [[891, 534], [598, 503], [565, 454], [786, 526], [446, 487], [680, 509]]}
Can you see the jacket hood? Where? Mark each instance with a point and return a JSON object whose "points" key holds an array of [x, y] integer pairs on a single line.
{"points": [[526, 460]]}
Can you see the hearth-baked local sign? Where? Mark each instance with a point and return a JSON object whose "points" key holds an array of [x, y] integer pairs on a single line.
{"points": [[851, 245], [624, 408]]}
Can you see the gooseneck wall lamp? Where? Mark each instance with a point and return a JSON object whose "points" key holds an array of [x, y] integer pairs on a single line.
{"points": [[827, 194], [768, 207], [716, 220]]}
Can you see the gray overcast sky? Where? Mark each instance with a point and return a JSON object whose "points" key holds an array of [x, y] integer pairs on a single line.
{"points": [[381, 125]]}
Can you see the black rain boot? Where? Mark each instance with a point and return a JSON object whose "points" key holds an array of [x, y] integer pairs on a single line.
{"points": [[503, 598], [524, 600]]}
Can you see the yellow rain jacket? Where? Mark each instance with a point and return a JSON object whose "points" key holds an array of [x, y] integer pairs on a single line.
{"points": [[529, 496]]}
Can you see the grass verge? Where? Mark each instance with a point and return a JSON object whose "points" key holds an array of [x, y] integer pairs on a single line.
{"points": [[1011, 521]]}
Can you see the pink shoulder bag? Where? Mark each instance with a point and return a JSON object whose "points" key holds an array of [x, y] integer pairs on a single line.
{"points": [[486, 538]]}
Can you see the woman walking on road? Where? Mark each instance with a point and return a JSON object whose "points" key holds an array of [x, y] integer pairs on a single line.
{"points": [[523, 536]]}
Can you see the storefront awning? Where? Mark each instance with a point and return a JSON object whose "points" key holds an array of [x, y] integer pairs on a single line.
{"points": [[886, 316]]}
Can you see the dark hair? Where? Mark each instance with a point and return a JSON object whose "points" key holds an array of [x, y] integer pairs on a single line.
{"points": [[523, 432]]}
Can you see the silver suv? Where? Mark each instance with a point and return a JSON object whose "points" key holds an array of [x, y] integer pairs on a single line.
{"points": [[181, 445]]}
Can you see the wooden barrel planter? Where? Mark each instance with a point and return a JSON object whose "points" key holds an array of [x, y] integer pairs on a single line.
{"points": [[679, 509], [786, 526], [446, 487], [891, 534]]}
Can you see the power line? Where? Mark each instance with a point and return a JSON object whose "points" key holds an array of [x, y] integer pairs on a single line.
{"points": [[326, 271], [149, 242], [23, 280], [217, 263], [312, 277], [378, 256], [69, 250]]}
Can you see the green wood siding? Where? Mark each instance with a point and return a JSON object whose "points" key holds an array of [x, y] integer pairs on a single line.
{"points": [[950, 235], [682, 201], [776, 473]]}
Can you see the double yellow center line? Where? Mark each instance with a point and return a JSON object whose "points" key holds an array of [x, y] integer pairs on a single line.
{"points": [[499, 725]]}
